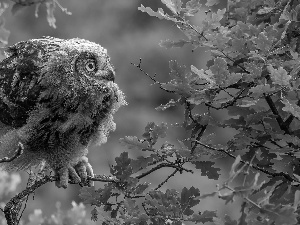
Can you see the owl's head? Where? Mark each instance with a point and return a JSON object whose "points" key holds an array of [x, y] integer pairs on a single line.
{"points": [[90, 59], [79, 58]]}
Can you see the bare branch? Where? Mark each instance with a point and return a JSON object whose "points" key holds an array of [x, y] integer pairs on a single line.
{"points": [[148, 75]]}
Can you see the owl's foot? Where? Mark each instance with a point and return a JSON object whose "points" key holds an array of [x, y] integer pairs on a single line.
{"points": [[77, 173]]}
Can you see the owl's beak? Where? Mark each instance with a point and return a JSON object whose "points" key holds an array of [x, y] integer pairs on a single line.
{"points": [[110, 75]]}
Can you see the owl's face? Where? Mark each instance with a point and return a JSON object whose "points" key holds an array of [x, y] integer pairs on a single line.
{"points": [[89, 65], [90, 60], [74, 62]]}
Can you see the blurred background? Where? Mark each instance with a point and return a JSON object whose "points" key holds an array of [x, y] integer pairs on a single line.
{"points": [[129, 35]]}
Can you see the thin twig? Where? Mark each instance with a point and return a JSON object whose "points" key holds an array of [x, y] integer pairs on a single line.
{"points": [[203, 128], [148, 75], [162, 165], [280, 174], [246, 198], [166, 180]]}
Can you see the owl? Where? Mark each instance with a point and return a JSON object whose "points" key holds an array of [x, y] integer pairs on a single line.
{"points": [[57, 97]]}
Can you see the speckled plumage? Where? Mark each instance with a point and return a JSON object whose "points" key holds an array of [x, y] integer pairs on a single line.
{"points": [[57, 97]]}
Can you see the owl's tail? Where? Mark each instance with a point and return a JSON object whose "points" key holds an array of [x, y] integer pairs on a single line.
{"points": [[10, 144]]}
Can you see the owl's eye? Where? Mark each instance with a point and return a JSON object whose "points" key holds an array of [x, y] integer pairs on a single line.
{"points": [[90, 66]]}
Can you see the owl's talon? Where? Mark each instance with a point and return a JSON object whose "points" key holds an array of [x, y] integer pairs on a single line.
{"points": [[90, 173], [78, 173], [81, 171], [73, 175], [63, 178]]}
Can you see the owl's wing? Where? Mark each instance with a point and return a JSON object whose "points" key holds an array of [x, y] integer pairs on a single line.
{"points": [[19, 86]]}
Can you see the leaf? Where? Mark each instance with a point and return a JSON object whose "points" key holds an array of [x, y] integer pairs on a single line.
{"points": [[261, 89], [173, 44], [279, 191], [132, 142], [183, 151], [296, 199], [168, 149], [229, 221], [153, 132], [248, 103], [206, 216], [192, 7], [163, 203], [291, 108], [207, 169], [131, 206], [94, 214], [287, 138], [173, 5], [159, 14], [181, 80], [265, 10], [213, 20], [263, 43], [89, 195], [220, 70], [233, 78], [280, 214], [202, 75], [188, 200], [191, 31], [140, 188], [279, 76], [171, 103], [254, 69], [140, 163], [210, 3], [122, 170]]}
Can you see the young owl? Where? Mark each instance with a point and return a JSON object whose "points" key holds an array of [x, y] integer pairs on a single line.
{"points": [[57, 97]]}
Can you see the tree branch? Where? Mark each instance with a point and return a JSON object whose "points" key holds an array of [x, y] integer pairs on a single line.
{"points": [[148, 75], [179, 168], [279, 119], [11, 208], [280, 174]]}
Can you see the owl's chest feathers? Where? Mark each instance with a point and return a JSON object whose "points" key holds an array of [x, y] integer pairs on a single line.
{"points": [[63, 121]]}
